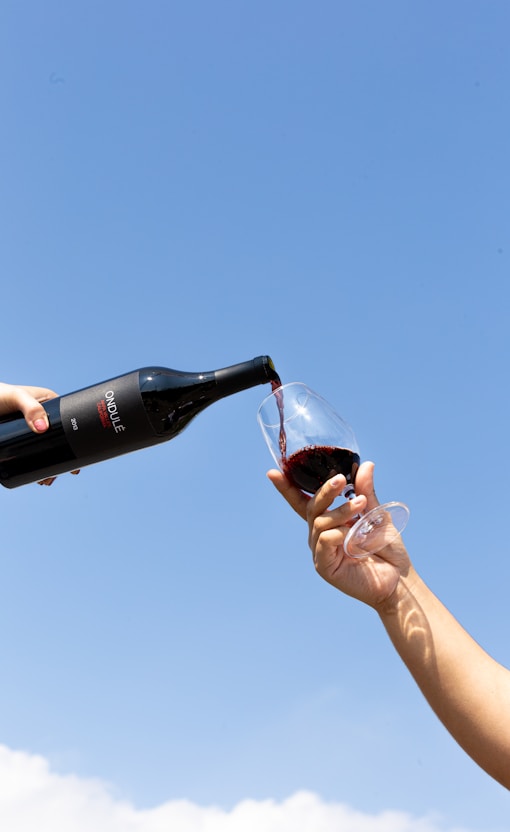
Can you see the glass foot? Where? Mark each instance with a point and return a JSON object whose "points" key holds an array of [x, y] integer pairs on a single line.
{"points": [[376, 529]]}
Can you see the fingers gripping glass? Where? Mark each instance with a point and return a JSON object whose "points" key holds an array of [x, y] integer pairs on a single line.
{"points": [[311, 443]]}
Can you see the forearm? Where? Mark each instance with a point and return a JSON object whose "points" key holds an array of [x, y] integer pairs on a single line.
{"points": [[467, 689]]}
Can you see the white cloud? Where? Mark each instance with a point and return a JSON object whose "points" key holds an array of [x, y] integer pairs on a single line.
{"points": [[35, 799]]}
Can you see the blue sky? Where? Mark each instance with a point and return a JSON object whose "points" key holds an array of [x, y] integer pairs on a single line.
{"points": [[192, 185]]}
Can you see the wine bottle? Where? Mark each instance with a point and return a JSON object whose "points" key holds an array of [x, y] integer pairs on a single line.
{"points": [[136, 410]]}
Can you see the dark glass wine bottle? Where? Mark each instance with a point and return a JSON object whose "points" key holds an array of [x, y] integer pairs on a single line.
{"points": [[135, 410]]}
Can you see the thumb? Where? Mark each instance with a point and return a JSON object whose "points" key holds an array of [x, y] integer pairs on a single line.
{"points": [[365, 484]]}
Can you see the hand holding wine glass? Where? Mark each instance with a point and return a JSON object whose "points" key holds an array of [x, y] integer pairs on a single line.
{"points": [[372, 580], [311, 444]]}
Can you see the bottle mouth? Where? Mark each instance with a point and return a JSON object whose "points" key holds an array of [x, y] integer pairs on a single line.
{"points": [[270, 369]]}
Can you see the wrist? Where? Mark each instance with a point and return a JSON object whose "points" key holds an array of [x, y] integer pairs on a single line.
{"points": [[404, 596]]}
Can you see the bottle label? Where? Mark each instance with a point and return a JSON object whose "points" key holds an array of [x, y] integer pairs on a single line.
{"points": [[107, 419]]}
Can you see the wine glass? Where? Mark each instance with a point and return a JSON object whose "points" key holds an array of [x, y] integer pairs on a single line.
{"points": [[310, 443]]}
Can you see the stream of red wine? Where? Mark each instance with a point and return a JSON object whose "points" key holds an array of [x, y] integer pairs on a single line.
{"points": [[278, 393]]}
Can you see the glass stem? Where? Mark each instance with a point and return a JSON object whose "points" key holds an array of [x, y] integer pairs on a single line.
{"points": [[349, 493]]}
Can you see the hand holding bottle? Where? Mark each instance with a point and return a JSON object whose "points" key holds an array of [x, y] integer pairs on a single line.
{"points": [[28, 401]]}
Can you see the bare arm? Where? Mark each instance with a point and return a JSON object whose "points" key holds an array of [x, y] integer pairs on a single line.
{"points": [[468, 690]]}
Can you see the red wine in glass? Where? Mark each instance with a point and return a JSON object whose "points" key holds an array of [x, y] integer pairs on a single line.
{"points": [[310, 467], [311, 443]]}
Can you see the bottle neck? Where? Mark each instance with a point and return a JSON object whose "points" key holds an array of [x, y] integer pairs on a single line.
{"points": [[239, 377], [172, 398]]}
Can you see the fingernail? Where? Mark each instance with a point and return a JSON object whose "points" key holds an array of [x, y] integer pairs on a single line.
{"points": [[357, 501], [337, 480], [40, 424]]}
